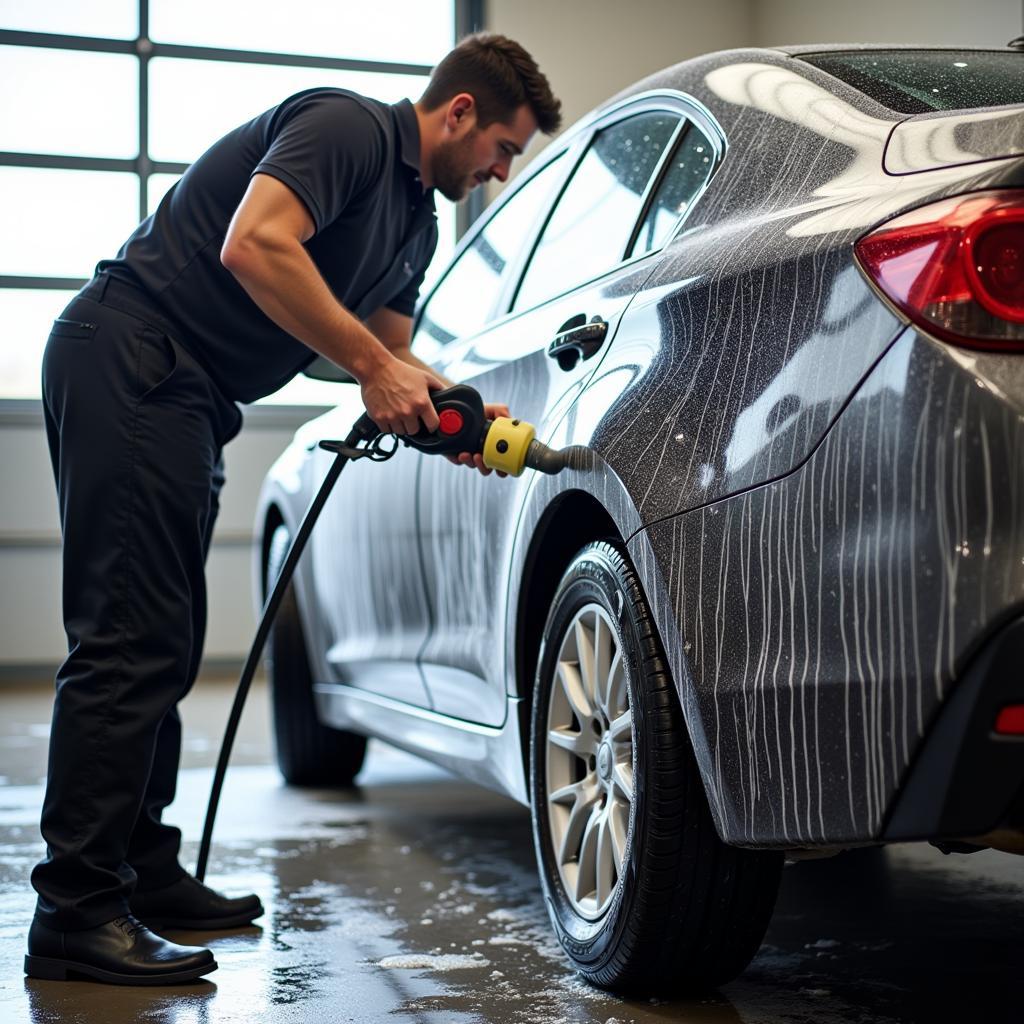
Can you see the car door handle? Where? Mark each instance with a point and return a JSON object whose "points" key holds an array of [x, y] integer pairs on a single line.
{"points": [[577, 340]]}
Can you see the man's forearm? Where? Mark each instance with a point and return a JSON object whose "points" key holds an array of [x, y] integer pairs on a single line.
{"points": [[285, 283]]}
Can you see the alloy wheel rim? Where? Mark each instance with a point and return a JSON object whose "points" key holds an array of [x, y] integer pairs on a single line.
{"points": [[589, 762]]}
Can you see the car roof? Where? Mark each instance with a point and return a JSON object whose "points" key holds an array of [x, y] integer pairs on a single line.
{"points": [[688, 75], [809, 48]]}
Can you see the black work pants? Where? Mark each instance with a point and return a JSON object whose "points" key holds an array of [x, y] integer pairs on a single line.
{"points": [[135, 428]]}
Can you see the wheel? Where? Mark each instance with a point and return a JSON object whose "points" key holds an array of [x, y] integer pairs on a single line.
{"points": [[308, 752], [643, 895]]}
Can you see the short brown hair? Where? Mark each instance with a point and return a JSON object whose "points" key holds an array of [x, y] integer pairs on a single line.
{"points": [[500, 76]]}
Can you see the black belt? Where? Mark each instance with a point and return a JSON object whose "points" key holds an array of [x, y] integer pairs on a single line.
{"points": [[118, 294]]}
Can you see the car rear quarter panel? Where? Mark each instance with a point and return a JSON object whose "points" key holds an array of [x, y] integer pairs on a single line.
{"points": [[757, 326], [815, 624]]}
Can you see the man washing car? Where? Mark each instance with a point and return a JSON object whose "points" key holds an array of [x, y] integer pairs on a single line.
{"points": [[305, 231]]}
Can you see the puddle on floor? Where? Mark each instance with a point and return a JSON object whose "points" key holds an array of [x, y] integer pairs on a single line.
{"points": [[416, 898]]}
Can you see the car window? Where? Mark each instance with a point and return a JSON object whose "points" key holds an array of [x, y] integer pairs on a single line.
{"points": [[681, 183], [918, 81], [590, 227], [464, 298]]}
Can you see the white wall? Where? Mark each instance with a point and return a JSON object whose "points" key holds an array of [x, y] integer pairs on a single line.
{"points": [[31, 635], [590, 49], [940, 22]]}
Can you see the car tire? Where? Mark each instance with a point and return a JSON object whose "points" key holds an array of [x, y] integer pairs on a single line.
{"points": [[309, 753], [643, 895]]}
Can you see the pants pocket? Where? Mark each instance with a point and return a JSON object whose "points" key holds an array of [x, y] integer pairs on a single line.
{"points": [[158, 364], [73, 329]]}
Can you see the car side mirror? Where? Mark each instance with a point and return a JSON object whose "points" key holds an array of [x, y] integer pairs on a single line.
{"points": [[323, 369]]}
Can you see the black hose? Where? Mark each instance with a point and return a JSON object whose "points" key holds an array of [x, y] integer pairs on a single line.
{"points": [[363, 430]]}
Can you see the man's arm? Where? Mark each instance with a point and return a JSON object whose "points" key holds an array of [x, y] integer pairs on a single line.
{"points": [[394, 331], [264, 250]]}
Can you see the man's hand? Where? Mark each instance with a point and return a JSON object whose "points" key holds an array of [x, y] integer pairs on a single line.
{"points": [[474, 460], [397, 397]]}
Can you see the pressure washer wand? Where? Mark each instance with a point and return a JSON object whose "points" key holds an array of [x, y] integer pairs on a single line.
{"points": [[507, 445]]}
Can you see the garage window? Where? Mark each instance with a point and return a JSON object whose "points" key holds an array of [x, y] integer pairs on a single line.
{"points": [[105, 106]]}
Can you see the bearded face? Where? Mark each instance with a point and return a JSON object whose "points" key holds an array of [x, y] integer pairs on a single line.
{"points": [[472, 155], [454, 170]]}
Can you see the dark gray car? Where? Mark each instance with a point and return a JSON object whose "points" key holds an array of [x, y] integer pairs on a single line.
{"points": [[776, 298]]}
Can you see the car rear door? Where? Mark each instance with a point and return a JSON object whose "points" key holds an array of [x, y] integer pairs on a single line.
{"points": [[577, 274]]}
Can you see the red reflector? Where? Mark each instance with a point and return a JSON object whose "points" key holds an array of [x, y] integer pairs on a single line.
{"points": [[451, 421], [1010, 721]]}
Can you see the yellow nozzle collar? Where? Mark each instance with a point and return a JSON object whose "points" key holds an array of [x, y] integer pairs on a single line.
{"points": [[506, 445]]}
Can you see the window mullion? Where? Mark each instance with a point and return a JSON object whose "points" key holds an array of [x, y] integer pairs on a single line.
{"points": [[143, 165]]}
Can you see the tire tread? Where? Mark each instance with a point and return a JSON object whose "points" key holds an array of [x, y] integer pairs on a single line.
{"points": [[700, 907]]}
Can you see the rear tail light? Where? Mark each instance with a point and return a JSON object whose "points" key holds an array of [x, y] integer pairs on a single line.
{"points": [[1010, 721], [956, 267]]}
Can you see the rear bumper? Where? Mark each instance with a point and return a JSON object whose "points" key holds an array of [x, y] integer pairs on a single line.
{"points": [[966, 780]]}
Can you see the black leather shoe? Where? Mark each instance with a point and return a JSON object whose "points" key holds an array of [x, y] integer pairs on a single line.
{"points": [[121, 952], [188, 904]]}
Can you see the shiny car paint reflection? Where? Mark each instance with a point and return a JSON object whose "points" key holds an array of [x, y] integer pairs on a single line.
{"points": [[822, 504]]}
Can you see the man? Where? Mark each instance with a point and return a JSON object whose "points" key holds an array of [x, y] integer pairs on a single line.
{"points": [[306, 231]]}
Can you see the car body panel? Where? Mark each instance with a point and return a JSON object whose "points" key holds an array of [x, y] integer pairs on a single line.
{"points": [[466, 521], [815, 624], [766, 254], [488, 756], [369, 619]]}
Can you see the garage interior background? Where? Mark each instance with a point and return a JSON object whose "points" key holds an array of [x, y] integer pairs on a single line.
{"points": [[588, 49]]}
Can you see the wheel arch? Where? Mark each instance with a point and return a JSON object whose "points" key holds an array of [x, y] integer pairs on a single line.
{"points": [[571, 519], [273, 517], [274, 514], [570, 522]]}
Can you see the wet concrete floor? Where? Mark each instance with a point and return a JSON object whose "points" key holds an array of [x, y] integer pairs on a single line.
{"points": [[415, 898]]}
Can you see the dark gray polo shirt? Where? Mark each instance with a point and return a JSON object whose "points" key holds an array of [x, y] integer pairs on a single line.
{"points": [[354, 162]]}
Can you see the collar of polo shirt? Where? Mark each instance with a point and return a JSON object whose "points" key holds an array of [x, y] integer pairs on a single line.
{"points": [[409, 136]]}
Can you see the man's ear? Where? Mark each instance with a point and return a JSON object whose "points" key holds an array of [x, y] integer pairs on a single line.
{"points": [[461, 110]]}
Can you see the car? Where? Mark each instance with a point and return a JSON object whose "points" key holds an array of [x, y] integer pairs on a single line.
{"points": [[774, 301]]}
